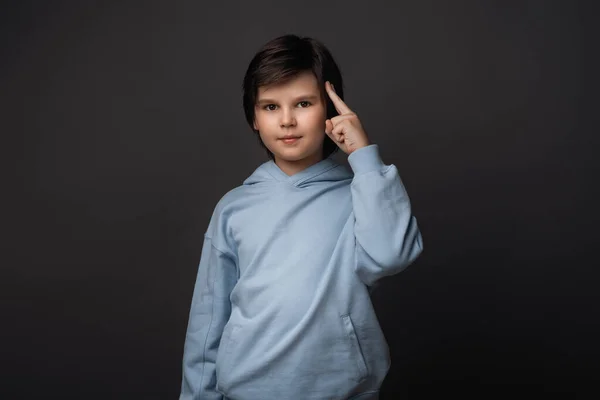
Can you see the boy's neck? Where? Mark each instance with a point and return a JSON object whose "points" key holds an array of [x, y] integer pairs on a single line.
{"points": [[293, 167]]}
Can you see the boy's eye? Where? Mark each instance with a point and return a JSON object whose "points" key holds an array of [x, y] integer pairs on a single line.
{"points": [[303, 103]]}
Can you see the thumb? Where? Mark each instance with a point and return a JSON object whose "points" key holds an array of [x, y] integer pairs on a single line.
{"points": [[328, 127]]}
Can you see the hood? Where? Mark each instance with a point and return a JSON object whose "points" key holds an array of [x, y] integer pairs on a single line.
{"points": [[326, 170]]}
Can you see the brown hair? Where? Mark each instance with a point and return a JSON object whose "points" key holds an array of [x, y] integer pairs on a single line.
{"points": [[281, 59]]}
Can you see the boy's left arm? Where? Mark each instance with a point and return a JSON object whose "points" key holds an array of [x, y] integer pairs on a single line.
{"points": [[386, 232], [387, 236]]}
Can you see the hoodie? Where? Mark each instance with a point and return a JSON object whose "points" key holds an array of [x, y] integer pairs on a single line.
{"points": [[281, 307]]}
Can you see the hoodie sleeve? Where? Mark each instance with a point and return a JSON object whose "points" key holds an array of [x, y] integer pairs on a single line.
{"points": [[209, 312], [387, 236]]}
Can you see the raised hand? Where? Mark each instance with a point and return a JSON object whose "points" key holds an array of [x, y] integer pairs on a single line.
{"points": [[345, 129]]}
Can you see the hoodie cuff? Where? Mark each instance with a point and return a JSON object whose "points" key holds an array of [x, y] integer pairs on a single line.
{"points": [[366, 159]]}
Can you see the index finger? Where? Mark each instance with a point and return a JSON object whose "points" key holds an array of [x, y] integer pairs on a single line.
{"points": [[339, 104]]}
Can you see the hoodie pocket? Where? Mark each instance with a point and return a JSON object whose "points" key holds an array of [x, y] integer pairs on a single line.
{"points": [[355, 350]]}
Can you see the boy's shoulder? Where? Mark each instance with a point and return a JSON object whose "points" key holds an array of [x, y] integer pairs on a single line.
{"points": [[224, 204], [229, 196]]}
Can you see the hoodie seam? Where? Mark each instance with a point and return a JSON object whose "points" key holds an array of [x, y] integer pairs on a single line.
{"points": [[272, 176], [208, 331], [216, 248]]}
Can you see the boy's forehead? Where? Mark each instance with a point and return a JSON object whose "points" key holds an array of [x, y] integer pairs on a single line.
{"points": [[304, 82]]}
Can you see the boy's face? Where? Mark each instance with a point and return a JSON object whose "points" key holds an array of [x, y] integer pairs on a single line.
{"points": [[292, 108]]}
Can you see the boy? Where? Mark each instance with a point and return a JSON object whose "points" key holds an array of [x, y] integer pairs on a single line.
{"points": [[281, 307]]}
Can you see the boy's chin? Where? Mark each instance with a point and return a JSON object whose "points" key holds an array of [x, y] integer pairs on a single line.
{"points": [[286, 156], [294, 155]]}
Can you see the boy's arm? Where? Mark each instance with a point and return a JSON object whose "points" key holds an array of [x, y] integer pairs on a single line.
{"points": [[209, 312], [387, 236]]}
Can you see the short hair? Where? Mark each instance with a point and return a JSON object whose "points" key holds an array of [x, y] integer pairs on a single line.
{"points": [[280, 60]]}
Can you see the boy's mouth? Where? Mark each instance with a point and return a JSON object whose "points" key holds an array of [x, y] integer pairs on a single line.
{"points": [[290, 139]]}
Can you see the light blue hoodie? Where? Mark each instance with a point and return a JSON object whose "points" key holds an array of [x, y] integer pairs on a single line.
{"points": [[281, 308]]}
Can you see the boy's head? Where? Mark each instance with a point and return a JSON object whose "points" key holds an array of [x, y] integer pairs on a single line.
{"points": [[284, 94]]}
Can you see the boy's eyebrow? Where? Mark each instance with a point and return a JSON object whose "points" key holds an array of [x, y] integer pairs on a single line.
{"points": [[307, 97]]}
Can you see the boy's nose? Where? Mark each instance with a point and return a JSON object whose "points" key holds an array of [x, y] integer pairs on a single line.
{"points": [[288, 119]]}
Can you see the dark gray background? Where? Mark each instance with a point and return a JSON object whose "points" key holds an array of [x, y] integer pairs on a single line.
{"points": [[122, 126]]}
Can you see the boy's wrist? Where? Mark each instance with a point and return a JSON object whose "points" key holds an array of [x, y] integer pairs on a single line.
{"points": [[366, 159]]}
